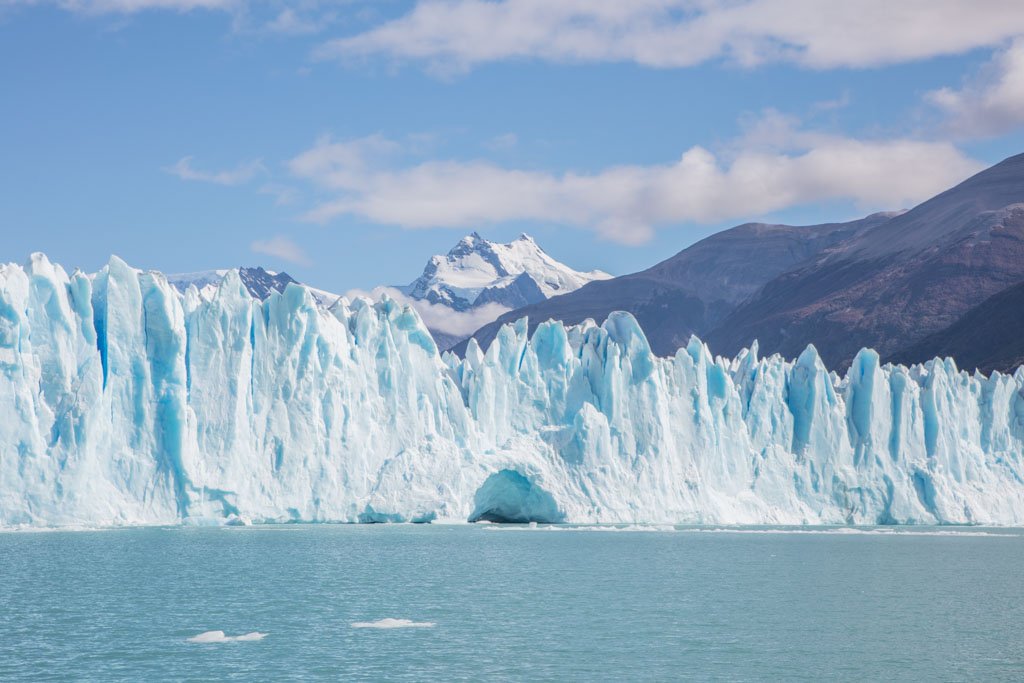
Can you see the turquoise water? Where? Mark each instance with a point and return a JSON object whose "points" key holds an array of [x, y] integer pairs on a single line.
{"points": [[512, 604]]}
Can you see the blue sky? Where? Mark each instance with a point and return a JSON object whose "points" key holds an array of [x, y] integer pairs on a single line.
{"points": [[345, 142]]}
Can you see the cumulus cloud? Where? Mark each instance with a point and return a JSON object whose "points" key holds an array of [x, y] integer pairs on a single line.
{"points": [[438, 317], [283, 248], [991, 103], [239, 175], [776, 166], [459, 34]]}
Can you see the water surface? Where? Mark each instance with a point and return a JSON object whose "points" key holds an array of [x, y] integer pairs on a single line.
{"points": [[512, 604]]}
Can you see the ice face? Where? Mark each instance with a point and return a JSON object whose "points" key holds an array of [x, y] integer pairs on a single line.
{"points": [[125, 401]]}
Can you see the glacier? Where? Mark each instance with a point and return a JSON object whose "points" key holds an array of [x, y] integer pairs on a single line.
{"points": [[126, 402]]}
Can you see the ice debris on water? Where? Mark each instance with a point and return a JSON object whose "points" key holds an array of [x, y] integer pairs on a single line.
{"points": [[388, 623], [219, 637]]}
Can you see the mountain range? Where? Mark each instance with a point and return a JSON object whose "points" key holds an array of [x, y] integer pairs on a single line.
{"points": [[477, 272], [945, 278], [477, 280], [696, 289], [891, 286], [908, 284]]}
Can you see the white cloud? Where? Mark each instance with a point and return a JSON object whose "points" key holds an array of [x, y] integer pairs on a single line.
{"points": [[438, 316], [239, 175], [776, 166], [459, 34], [990, 104], [283, 248]]}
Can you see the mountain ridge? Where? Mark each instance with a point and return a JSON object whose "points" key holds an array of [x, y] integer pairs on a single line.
{"points": [[476, 267], [894, 284], [689, 292]]}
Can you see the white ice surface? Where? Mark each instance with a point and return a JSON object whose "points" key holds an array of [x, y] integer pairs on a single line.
{"points": [[124, 402]]}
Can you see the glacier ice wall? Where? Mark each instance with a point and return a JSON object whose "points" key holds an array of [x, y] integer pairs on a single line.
{"points": [[123, 401]]}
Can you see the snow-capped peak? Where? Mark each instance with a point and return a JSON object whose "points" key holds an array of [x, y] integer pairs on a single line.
{"points": [[478, 271]]}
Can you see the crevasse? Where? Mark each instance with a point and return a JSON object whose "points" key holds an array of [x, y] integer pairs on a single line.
{"points": [[125, 402]]}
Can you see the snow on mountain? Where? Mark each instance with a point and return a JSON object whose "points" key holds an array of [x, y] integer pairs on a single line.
{"points": [[128, 402], [478, 280], [478, 271]]}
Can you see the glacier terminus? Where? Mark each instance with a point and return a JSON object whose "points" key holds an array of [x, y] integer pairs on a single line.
{"points": [[127, 402]]}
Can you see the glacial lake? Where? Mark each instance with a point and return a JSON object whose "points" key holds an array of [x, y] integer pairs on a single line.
{"points": [[482, 602]]}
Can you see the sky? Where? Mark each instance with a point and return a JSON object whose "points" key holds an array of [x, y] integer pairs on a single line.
{"points": [[345, 142]]}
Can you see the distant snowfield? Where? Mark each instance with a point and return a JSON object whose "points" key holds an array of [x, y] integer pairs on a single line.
{"points": [[126, 402]]}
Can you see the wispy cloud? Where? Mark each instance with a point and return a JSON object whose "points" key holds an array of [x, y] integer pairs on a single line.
{"points": [[992, 102], [775, 166], [282, 248], [459, 34], [133, 6], [239, 175], [282, 194], [290, 21], [500, 143], [288, 17]]}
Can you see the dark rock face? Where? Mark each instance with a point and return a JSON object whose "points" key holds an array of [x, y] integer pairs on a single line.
{"points": [[260, 283], [988, 337], [937, 280], [893, 285], [695, 289]]}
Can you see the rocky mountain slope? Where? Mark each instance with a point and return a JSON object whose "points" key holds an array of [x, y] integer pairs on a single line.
{"points": [[692, 291], [893, 285], [988, 337]]}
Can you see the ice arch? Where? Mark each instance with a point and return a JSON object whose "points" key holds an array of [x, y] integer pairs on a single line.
{"points": [[509, 497]]}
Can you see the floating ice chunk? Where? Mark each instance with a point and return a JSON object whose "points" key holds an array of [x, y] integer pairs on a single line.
{"points": [[393, 623], [219, 637]]}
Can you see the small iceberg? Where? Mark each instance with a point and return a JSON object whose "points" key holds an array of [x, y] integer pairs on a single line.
{"points": [[393, 623], [220, 637]]}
